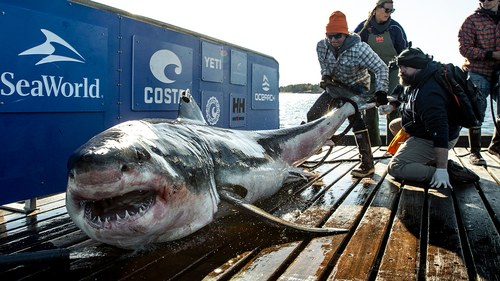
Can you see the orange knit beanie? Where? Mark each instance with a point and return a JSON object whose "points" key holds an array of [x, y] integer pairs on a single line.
{"points": [[337, 23]]}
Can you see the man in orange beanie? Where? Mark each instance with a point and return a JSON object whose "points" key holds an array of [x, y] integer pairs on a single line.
{"points": [[344, 59]]}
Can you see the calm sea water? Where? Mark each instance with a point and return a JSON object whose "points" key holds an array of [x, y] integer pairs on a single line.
{"points": [[294, 107]]}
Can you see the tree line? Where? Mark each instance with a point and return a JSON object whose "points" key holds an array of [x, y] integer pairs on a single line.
{"points": [[301, 88]]}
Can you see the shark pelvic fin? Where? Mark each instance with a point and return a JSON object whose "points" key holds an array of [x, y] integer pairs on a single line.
{"points": [[240, 203]]}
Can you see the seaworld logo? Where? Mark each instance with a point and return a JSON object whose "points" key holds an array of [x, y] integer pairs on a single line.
{"points": [[50, 85], [47, 48]]}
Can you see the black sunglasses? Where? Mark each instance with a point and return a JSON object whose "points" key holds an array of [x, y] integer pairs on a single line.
{"points": [[482, 1], [336, 36], [390, 11]]}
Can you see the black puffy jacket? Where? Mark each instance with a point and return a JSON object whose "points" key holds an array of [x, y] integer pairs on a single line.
{"points": [[424, 111]]}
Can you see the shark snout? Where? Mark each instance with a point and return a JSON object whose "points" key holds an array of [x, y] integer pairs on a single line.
{"points": [[96, 177]]}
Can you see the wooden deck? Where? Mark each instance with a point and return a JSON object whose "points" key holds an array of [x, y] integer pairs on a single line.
{"points": [[397, 231]]}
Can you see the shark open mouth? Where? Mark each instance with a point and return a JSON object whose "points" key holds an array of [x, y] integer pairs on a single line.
{"points": [[115, 210]]}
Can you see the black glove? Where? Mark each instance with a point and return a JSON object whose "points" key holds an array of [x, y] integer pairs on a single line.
{"points": [[393, 64], [381, 98], [325, 81]]}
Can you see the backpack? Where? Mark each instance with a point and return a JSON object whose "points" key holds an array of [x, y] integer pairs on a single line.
{"points": [[467, 104]]}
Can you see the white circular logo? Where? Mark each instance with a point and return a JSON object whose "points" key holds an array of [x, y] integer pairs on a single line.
{"points": [[212, 111], [159, 62]]}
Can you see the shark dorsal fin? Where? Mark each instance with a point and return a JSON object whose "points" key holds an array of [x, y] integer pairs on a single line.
{"points": [[189, 112]]}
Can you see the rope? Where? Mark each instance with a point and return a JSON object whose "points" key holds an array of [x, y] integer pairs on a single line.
{"points": [[337, 138]]}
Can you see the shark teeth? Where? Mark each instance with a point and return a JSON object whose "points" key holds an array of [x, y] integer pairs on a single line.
{"points": [[113, 211]]}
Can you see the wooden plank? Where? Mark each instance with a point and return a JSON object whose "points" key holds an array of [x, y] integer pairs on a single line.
{"points": [[358, 258], [38, 238], [223, 272], [482, 236], [337, 152], [445, 258], [493, 166], [267, 262], [487, 183], [312, 217], [401, 260], [34, 225], [16, 209], [176, 256], [315, 258], [47, 206], [293, 206]]}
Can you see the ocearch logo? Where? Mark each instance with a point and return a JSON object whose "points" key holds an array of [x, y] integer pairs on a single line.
{"points": [[265, 83], [161, 64], [49, 85]]}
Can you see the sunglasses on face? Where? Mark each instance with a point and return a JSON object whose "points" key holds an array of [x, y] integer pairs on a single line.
{"points": [[336, 36], [390, 11], [482, 1]]}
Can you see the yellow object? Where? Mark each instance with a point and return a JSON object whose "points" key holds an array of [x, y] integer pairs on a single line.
{"points": [[398, 139]]}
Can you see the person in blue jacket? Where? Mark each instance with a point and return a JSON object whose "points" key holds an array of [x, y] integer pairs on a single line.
{"points": [[387, 39]]}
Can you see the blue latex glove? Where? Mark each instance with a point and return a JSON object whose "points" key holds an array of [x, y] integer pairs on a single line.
{"points": [[441, 178]]}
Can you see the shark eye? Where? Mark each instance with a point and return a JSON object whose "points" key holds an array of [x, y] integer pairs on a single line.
{"points": [[124, 168]]}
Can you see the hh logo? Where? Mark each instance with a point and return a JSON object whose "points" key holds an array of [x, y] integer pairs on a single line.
{"points": [[238, 105], [380, 39]]}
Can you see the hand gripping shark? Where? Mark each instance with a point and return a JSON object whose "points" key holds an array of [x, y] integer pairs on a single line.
{"points": [[158, 180]]}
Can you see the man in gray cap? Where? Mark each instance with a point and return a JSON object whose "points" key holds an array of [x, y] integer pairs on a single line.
{"points": [[424, 117]]}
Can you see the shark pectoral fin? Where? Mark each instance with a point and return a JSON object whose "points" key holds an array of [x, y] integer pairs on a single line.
{"points": [[235, 200], [297, 174]]}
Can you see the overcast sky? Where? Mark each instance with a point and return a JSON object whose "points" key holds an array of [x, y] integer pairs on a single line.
{"points": [[289, 30]]}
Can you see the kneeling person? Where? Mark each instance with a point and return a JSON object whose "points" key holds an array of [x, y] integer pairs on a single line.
{"points": [[424, 117]]}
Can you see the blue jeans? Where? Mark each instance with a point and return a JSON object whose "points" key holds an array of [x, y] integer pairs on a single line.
{"points": [[484, 86]]}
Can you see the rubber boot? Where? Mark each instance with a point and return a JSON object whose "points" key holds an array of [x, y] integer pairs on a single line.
{"points": [[495, 142], [366, 168], [475, 157], [372, 124]]}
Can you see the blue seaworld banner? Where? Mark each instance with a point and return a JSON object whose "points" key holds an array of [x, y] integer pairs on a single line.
{"points": [[46, 68], [71, 69]]}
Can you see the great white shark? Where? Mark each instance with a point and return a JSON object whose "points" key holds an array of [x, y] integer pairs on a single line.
{"points": [[156, 180]]}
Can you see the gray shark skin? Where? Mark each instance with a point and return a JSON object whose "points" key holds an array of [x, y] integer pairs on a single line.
{"points": [[157, 180]]}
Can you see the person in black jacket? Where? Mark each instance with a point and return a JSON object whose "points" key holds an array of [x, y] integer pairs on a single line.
{"points": [[424, 117]]}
